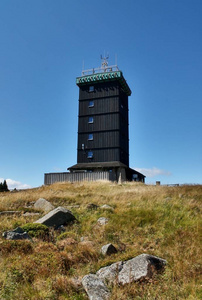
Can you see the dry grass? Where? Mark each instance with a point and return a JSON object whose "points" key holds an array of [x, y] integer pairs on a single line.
{"points": [[159, 220]]}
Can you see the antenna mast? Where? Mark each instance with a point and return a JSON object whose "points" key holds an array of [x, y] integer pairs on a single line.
{"points": [[104, 63]]}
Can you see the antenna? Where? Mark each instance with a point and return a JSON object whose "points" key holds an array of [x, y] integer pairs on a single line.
{"points": [[104, 63]]}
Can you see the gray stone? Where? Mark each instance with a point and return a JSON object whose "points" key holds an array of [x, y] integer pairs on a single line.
{"points": [[16, 234], [142, 266], [110, 273], [43, 204], [102, 221], [57, 217], [95, 287], [108, 249], [107, 207], [30, 214]]}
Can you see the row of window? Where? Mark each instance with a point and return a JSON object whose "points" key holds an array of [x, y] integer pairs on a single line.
{"points": [[90, 120]]}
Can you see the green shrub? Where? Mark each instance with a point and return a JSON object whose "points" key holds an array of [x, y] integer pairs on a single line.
{"points": [[36, 230], [65, 235]]}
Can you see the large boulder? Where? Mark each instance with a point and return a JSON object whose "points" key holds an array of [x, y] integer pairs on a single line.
{"points": [[43, 204], [16, 234], [95, 287], [108, 249], [57, 217], [110, 273], [142, 266]]}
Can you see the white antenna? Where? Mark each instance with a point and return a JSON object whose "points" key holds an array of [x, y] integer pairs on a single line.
{"points": [[104, 63]]}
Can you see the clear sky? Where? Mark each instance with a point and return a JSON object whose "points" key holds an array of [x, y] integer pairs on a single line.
{"points": [[43, 44]]}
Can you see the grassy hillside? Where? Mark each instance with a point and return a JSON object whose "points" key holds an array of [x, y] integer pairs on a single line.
{"points": [[158, 220]]}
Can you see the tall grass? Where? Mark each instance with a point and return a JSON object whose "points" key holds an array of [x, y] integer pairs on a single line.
{"points": [[160, 220]]}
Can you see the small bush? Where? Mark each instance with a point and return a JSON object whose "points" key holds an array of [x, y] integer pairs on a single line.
{"points": [[65, 235], [36, 230]]}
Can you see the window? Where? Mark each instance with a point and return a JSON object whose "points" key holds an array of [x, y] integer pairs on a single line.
{"points": [[91, 88], [90, 137], [90, 154], [91, 104], [90, 120]]}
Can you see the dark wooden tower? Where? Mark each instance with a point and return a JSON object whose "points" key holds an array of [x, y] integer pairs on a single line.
{"points": [[103, 138]]}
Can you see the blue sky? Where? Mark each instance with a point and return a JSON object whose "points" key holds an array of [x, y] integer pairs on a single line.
{"points": [[43, 44]]}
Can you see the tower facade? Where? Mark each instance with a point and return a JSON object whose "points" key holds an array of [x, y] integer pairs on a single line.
{"points": [[103, 118], [103, 127]]}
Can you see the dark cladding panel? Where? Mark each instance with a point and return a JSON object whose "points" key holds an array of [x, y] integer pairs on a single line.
{"points": [[99, 106], [99, 140], [101, 90], [99, 123], [99, 155]]}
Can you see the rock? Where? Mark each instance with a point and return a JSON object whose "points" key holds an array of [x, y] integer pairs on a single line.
{"points": [[95, 287], [141, 266], [110, 273], [30, 214], [108, 249], [92, 206], [57, 217], [107, 207], [16, 234], [102, 221], [43, 204]]}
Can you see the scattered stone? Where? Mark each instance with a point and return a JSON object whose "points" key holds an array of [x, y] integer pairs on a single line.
{"points": [[92, 206], [108, 249], [30, 214], [102, 221], [110, 273], [57, 217], [142, 266], [95, 287], [43, 204], [107, 207], [16, 234]]}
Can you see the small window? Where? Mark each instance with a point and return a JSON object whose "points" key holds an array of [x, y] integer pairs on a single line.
{"points": [[90, 137], [90, 154], [91, 104], [90, 120], [91, 88]]}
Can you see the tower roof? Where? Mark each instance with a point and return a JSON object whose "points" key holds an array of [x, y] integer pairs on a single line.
{"points": [[103, 74]]}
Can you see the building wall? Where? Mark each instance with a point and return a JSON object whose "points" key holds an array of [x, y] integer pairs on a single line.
{"points": [[50, 178], [107, 104]]}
